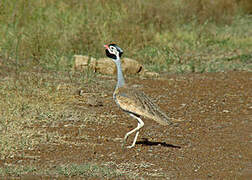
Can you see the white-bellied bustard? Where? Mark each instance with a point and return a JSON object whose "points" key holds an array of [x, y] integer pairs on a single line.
{"points": [[135, 103]]}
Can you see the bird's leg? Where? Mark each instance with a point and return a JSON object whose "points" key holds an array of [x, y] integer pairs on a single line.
{"points": [[134, 141], [139, 126], [129, 133]]}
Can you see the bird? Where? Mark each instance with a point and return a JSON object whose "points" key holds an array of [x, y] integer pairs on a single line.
{"points": [[136, 103]]}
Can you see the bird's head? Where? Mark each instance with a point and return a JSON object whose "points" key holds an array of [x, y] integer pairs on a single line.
{"points": [[113, 51]]}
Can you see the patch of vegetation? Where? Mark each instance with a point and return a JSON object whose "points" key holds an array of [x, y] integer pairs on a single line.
{"points": [[17, 170], [36, 99], [48, 33], [70, 170], [86, 170]]}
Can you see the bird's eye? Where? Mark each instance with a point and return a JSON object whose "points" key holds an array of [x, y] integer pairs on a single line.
{"points": [[112, 48]]}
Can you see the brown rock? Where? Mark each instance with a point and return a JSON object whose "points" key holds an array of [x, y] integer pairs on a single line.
{"points": [[131, 66], [105, 66], [84, 62]]}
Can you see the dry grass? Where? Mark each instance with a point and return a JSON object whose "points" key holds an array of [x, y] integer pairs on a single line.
{"points": [[49, 33], [35, 99]]}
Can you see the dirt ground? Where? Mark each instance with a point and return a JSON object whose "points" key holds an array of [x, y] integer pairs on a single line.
{"points": [[213, 140]]}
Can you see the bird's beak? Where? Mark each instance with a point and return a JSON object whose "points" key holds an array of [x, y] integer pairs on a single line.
{"points": [[106, 46]]}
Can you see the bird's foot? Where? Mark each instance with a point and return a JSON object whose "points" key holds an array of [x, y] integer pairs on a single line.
{"points": [[129, 147]]}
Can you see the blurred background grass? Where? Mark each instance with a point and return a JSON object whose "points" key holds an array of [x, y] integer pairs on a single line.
{"points": [[165, 35]]}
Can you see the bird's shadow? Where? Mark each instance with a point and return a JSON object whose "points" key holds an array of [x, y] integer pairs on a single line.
{"points": [[146, 142]]}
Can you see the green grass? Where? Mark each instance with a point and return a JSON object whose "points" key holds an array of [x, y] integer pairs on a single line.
{"points": [[86, 170], [69, 170], [16, 171], [48, 33], [105, 170]]}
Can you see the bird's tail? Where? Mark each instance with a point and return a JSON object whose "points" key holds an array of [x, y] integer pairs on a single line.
{"points": [[163, 119], [155, 113]]}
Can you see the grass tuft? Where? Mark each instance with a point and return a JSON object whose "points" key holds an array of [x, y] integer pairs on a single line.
{"points": [[86, 170]]}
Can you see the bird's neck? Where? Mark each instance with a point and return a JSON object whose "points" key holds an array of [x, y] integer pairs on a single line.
{"points": [[120, 79]]}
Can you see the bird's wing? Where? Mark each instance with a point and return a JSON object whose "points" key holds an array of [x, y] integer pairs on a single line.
{"points": [[138, 103]]}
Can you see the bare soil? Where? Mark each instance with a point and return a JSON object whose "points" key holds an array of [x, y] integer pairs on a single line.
{"points": [[213, 140]]}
